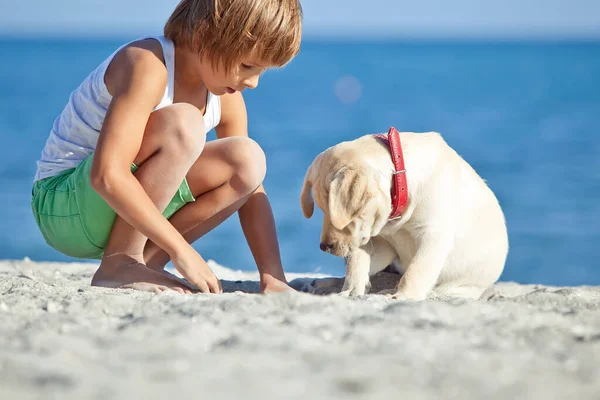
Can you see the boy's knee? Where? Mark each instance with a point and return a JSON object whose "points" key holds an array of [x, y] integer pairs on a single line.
{"points": [[249, 163], [184, 129]]}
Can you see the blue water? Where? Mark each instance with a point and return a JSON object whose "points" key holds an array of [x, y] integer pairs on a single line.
{"points": [[525, 115]]}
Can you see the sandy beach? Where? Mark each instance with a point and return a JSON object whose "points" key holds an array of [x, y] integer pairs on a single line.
{"points": [[62, 339]]}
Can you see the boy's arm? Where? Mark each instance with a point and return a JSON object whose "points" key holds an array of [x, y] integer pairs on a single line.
{"points": [[256, 216], [137, 80]]}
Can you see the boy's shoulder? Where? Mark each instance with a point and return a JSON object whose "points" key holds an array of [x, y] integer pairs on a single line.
{"points": [[142, 51], [137, 58], [146, 47]]}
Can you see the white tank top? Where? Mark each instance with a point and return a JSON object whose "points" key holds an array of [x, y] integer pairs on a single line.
{"points": [[74, 134]]}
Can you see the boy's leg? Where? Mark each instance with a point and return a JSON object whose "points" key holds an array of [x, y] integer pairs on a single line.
{"points": [[173, 140], [224, 176]]}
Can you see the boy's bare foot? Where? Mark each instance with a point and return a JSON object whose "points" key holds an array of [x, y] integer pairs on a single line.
{"points": [[273, 285], [148, 287], [125, 272]]}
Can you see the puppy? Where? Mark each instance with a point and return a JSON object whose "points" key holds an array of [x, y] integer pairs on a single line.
{"points": [[451, 239]]}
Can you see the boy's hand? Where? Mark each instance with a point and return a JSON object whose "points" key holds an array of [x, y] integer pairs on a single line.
{"points": [[193, 267]]}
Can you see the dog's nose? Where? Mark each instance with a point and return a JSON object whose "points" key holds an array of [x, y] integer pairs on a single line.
{"points": [[327, 247]]}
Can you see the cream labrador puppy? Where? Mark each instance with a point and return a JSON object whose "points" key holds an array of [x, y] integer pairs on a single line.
{"points": [[451, 239]]}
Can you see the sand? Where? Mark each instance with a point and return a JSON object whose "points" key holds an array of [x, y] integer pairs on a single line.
{"points": [[62, 339]]}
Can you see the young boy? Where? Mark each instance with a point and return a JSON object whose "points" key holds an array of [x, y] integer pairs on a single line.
{"points": [[126, 175]]}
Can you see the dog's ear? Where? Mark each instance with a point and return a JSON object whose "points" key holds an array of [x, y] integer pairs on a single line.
{"points": [[306, 200], [348, 196]]}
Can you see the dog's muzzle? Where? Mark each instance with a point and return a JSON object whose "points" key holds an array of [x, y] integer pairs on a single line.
{"points": [[340, 250], [326, 247]]}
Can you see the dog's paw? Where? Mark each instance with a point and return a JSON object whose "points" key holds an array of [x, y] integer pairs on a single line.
{"points": [[395, 295], [352, 292], [402, 296]]}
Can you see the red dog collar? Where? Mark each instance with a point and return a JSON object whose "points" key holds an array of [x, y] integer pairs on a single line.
{"points": [[399, 183]]}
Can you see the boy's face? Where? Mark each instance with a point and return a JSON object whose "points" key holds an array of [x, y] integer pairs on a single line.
{"points": [[241, 76]]}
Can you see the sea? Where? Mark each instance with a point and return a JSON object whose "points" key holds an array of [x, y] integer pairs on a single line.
{"points": [[524, 114]]}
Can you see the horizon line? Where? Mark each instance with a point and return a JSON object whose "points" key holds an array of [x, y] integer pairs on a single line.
{"points": [[324, 37]]}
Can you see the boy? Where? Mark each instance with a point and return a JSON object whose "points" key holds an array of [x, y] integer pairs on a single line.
{"points": [[130, 148]]}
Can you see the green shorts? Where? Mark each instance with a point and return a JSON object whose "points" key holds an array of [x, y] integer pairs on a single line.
{"points": [[74, 219]]}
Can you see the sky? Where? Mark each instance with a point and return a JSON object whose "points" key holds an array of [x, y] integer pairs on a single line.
{"points": [[322, 18]]}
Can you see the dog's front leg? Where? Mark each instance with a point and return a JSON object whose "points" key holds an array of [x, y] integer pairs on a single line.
{"points": [[364, 262], [424, 270], [357, 273]]}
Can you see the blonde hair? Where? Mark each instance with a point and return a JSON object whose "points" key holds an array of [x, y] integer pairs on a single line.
{"points": [[226, 31]]}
